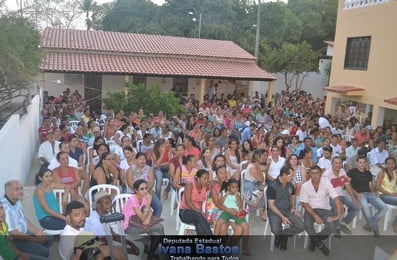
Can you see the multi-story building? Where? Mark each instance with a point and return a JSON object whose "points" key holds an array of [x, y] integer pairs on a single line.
{"points": [[364, 63]]}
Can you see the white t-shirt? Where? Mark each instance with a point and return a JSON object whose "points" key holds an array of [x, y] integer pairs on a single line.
{"points": [[274, 167], [319, 199], [66, 240], [55, 164]]}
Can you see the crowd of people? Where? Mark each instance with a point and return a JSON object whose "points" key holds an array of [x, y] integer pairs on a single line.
{"points": [[236, 154]]}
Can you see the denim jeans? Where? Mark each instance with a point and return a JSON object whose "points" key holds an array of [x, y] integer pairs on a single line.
{"points": [[392, 200], [352, 209], [156, 206], [159, 175], [35, 251], [52, 223], [189, 216], [276, 226], [329, 227], [381, 208]]}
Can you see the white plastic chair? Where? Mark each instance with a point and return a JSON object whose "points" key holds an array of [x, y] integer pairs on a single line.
{"points": [[388, 216], [119, 201], [111, 189], [59, 196], [172, 200], [181, 226]]}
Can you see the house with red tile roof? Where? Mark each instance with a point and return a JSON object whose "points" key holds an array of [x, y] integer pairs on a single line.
{"points": [[96, 62]]}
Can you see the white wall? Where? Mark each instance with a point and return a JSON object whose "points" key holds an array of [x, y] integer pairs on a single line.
{"points": [[314, 83], [55, 84], [19, 140]]}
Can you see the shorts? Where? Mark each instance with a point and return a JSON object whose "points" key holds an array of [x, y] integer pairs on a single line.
{"points": [[226, 216]]}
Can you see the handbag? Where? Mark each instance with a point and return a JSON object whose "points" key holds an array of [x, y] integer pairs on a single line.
{"points": [[254, 197], [211, 211], [136, 222]]}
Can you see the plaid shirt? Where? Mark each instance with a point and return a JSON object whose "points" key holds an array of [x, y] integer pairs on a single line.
{"points": [[15, 218]]}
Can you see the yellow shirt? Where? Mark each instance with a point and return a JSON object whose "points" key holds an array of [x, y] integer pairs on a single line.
{"points": [[389, 185]]}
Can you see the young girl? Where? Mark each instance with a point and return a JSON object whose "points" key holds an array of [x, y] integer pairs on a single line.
{"points": [[231, 199]]}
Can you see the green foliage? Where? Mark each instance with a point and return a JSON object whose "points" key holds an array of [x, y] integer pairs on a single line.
{"points": [[87, 6], [292, 60], [151, 99], [20, 55]]}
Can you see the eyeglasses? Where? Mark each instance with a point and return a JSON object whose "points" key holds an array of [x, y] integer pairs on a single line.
{"points": [[145, 188]]}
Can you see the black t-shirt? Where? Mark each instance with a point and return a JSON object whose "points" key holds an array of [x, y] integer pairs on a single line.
{"points": [[360, 180]]}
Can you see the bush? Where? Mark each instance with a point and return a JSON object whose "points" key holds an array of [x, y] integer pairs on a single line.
{"points": [[150, 99]]}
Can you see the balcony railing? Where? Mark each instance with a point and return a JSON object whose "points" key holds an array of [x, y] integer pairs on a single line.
{"points": [[352, 4]]}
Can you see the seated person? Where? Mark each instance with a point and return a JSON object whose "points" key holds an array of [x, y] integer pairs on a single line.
{"points": [[75, 219], [45, 203], [103, 205], [25, 236], [8, 251]]}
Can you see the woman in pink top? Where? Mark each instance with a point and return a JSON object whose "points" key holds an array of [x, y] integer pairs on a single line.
{"points": [[138, 205], [192, 201]]}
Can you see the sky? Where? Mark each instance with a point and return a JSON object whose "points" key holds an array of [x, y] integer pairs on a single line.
{"points": [[12, 4]]}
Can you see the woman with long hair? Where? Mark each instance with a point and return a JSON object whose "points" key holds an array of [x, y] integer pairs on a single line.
{"points": [[299, 176], [45, 203], [386, 185], [191, 148], [246, 149], [280, 143], [185, 174], [254, 181], [205, 162], [294, 144], [139, 205], [123, 131], [233, 158], [105, 171], [306, 161], [161, 157], [258, 138], [143, 171], [126, 164], [275, 163], [194, 196]]}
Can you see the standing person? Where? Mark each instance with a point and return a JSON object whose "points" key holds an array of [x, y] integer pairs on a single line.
{"points": [[26, 237], [315, 198], [282, 209], [7, 250], [386, 185], [364, 191], [339, 180], [191, 203]]}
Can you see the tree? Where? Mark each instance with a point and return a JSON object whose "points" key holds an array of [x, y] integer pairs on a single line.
{"points": [[294, 61], [87, 6], [150, 99], [20, 55], [54, 13]]}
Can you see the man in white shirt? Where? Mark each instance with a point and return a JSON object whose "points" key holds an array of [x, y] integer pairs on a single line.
{"points": [[315, 198], [63, 147], [336, 148], [325, 161], [49, 148], [377, 158]]}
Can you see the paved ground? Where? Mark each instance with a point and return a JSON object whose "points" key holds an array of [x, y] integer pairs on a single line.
{"points": [[359, 246]]}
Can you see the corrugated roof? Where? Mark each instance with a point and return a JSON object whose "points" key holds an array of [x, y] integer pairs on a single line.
{"points": [[151, 65]]}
